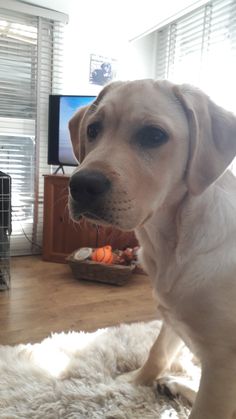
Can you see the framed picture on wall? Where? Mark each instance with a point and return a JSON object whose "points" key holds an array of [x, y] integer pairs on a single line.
{"points": [[102, 69]]}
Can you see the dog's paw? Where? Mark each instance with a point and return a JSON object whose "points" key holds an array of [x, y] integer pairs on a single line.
{"points": [[168, 386], [175, 387], [128, 377], [138, 377]]}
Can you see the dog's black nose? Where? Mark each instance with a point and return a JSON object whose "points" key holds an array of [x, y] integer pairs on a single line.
{"points": [[88, 185]]}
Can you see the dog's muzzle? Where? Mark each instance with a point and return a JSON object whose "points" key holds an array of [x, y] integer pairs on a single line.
{"points": [[88, 190]]}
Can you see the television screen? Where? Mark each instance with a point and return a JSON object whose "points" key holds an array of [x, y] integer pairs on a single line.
{"points": [[61, 109]]}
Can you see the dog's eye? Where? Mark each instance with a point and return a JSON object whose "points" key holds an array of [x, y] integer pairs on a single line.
{"points": [[150, 137], [93, 130]]}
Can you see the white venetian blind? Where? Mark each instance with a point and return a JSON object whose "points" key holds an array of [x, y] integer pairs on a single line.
{"points": [[200, 49], [31, 53]]}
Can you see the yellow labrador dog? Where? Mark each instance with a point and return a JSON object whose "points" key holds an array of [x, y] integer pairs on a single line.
{"points": [[154, 160]]}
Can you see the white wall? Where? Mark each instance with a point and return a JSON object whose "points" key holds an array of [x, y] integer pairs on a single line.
{"points": [[105, 27], [140, 58]]}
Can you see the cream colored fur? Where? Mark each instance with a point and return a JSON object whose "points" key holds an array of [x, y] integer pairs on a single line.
{"points": [[181, 201], [73, 376]]}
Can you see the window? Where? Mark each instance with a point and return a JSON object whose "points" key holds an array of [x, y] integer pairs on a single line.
{"points": [[200, 49], [31, 53]]}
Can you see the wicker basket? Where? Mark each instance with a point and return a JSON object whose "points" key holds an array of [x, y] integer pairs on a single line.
{"points": [[100, 272]]}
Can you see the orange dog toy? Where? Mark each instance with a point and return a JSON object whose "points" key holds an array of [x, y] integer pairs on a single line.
{"points": [[103, 255]]}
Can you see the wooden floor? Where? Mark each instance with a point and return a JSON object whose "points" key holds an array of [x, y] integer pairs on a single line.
{"points": [[45, 298]]}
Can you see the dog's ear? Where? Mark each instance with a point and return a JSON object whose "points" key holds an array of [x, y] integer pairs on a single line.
{"points": [[74, 128], [212, 138]]}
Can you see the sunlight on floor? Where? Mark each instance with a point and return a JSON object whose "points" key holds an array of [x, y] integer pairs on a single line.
{"points": [[53, 355]]}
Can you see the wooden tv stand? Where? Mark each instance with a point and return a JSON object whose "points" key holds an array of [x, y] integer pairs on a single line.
{"points": [[61, 235]]}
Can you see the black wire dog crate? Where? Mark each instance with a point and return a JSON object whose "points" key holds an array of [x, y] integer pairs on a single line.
{"points": [[5, 230]]}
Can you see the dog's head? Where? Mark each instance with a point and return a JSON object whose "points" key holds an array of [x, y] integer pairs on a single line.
{"points": [[142, 145]]}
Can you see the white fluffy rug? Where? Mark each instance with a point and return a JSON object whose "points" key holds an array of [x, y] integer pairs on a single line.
{"points": [[72, 376]]}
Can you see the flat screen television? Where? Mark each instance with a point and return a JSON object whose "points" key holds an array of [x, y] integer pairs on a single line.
{"points": [[61, 109]]}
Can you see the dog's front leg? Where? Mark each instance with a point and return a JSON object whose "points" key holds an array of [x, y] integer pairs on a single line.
{"points": [[161, 355], [216, 398]]}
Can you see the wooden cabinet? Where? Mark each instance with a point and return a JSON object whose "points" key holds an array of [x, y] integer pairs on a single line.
{"points": [[61, 235]]}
